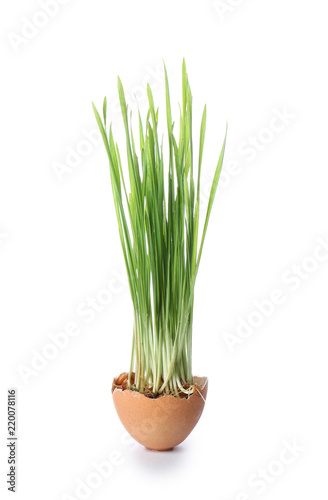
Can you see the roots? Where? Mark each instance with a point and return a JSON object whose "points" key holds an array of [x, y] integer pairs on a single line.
{"points": [[185, 390]]}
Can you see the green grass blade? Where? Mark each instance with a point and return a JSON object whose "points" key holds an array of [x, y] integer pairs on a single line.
{"points": [[211, 198]]}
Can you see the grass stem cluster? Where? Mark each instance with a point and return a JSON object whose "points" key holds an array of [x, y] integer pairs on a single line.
{"points": [[158, 223]]}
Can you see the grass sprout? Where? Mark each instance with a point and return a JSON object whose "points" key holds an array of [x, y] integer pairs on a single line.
{"points": [[158, 223]]}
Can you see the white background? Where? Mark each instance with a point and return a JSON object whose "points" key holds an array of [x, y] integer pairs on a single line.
{"points": [[59, 244]]}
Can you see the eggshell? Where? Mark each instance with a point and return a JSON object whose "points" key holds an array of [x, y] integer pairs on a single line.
{"points": [[163, 422]]}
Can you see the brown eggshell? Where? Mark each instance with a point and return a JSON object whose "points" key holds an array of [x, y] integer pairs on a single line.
{"points": [[163, 422]]}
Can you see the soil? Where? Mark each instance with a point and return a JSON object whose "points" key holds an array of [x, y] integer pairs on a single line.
{"points": [[121, 382]]}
